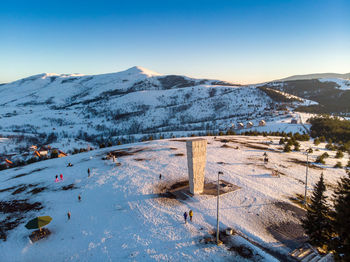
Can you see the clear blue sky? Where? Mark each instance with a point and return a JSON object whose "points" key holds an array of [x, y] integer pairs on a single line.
{"points": [[243, 41]]}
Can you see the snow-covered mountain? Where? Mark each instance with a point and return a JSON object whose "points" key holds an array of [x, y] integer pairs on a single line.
{"points": [[125, 106]]}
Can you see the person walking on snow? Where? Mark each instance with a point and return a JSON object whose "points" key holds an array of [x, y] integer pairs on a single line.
{"points": [[79, 198], [88, 172], [56, 180], [160, 176], [185, 217], [191, 214], [61, 177], [68, 215]]}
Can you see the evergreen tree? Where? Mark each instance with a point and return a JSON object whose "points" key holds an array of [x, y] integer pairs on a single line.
{"points": [[317, 223], [341, 221]]}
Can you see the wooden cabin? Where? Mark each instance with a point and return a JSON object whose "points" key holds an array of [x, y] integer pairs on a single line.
{"points": [[240, 125], [249, 124], [262, 123]]}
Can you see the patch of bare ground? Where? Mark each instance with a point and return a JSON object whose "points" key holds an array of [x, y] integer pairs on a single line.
{"points": [[37, 190], [254, 145], [179, 140], [7, 189], [299, 199], [179, 154], [22, 187], [242, 251], [8, 224], [141, 159], [125, 152], [69, 187], [228, 146], [15, 210], [304, 163], [28, 173], [180, 189]]}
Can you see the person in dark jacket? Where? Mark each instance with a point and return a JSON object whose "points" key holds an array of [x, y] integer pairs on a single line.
{"points": [[88, 172], [68, 215], [79, 198], [185, 217]]}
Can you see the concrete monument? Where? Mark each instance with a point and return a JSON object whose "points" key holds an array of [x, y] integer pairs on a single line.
{"points": [[196, 160]]}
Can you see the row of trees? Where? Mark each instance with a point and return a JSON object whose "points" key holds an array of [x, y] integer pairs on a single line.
{"points": [[330, 128], [328, 227]]}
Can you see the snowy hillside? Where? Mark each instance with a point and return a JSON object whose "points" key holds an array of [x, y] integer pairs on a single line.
{"points": [[72, 110], [342, 84], [124, 214], [331, 94]]}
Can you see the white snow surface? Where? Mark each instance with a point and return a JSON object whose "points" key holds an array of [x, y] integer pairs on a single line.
{"points": [[121, 217]]}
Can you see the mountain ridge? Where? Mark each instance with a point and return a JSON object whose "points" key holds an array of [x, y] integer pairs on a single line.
{"points": [[314, 76]]}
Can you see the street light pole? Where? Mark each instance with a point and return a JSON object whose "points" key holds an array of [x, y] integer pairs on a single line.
{"points": [[307, 168], [218, 242]]}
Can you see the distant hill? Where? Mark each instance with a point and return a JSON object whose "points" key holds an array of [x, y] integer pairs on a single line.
{"points": [[315, 76]]}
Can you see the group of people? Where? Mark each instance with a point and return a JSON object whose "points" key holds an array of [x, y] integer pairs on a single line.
{"points": [[69, 214], [190, 213], [266, 159], [61, 178]]}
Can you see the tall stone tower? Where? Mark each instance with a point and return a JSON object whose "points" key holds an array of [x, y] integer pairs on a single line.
{"points": [[196, 159]]}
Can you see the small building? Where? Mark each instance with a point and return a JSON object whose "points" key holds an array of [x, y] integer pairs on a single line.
{"points": [[240, 125], [43, 152], [33, 148], [249, 124], [294, 121], [61, 154], [262, 123]]}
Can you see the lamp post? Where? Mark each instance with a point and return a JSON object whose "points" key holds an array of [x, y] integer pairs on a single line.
{"points": [[307, 169], [218, 242]]}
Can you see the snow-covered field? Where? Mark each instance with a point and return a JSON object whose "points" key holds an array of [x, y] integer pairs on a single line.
{"points": [[122, 216]]}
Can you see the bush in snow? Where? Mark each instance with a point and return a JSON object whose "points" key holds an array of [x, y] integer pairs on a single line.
{"points": [[339, 154], [338, 165], [287, 148], [317, 142], [320, 159]]}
